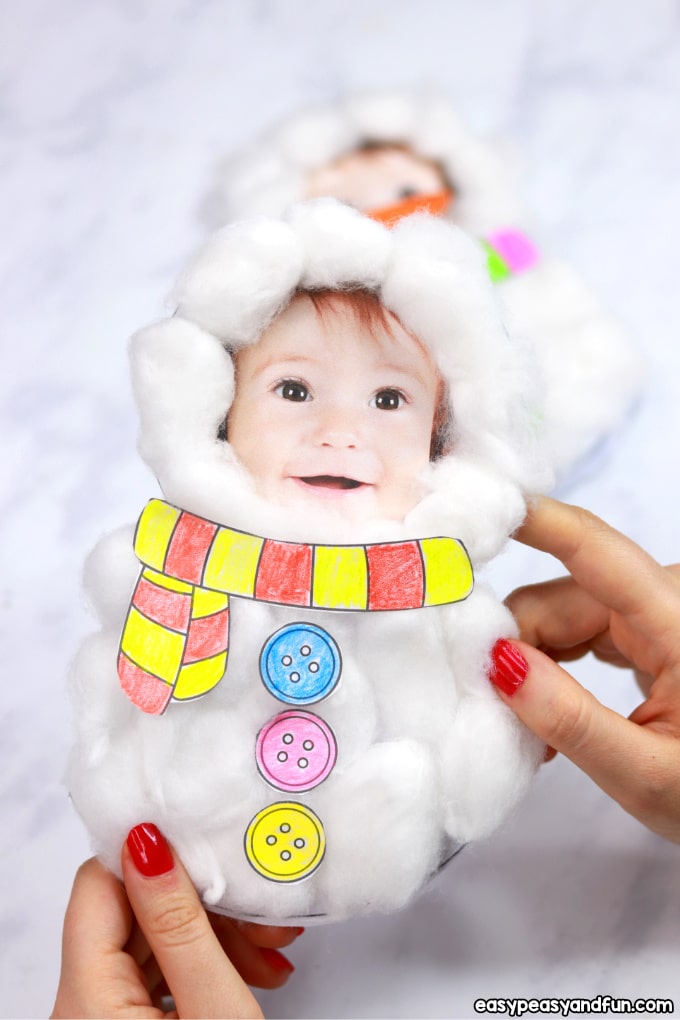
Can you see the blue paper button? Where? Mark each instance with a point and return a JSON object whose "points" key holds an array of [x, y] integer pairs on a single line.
{"points": [[300, 664]]}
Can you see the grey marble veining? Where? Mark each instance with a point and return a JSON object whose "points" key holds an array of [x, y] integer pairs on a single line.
{"points": [[111, 118]]}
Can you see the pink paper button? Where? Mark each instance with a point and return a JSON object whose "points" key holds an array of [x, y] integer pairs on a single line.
{"points": [[515, 248], [295, 751]]}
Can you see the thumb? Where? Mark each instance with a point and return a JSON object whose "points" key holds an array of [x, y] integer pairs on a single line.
{"points": [[550, 702], [201, 978]]}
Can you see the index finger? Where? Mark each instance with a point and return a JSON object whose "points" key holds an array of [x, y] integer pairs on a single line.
{"points": [[620, 574]]}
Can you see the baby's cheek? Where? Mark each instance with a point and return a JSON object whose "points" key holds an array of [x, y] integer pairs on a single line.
{"points": [[412, 446]]}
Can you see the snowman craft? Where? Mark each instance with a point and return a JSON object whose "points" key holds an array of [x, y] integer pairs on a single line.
{"points": [[290, 678], [390, 153]]}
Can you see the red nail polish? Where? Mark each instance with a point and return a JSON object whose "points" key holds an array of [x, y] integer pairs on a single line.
{"points": [[149, 850], [277, 960], [509, 668], [299, 931]]}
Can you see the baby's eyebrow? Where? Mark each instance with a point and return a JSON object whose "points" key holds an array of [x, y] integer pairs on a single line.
{"points": [[387, 367], [406, 373], [284, 359]]}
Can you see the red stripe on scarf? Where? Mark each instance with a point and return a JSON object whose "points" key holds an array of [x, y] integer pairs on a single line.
{"points": [[188, 548], [208, 636], [284, 574], [144, 690], [169, 608], [395, 576]]}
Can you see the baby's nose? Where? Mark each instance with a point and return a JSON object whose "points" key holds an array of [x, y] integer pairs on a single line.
{"points": [[337, 428], [340, 440]]}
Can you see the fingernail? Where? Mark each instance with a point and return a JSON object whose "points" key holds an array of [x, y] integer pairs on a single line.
{"points": [[149, 850], [509, 668], [277, 960], [299, 932]]}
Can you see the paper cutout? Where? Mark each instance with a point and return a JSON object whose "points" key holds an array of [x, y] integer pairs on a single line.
{"points": [[497, 268], [300, 664], [509, 252], [292, 574], [169, 651], [435, 205], [515, 248], [285, 842], [174, 644], [295, 751]]}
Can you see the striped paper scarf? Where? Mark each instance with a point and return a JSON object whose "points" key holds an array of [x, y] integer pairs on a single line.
{"points": [[176, 635]]}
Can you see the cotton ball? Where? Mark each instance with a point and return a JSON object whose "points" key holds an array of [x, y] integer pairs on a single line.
{"points": [[313, 138], [183, 381], [351, 711], [416, 694], [242, 276], [340, 245], [439, 132], [111, 795], [472, 628], [383, 116], [198, 856], [109, 575], [172, 746], [102, 708], [436, 283], [206, 480], [386, 802], [472, 503], [493, 758], [433, 238]]}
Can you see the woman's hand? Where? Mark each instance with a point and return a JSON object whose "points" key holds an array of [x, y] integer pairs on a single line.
{"points": [[620, 604], [127, 945]]}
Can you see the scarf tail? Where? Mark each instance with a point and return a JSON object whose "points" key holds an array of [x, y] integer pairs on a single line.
{"points": [[174, 642]]}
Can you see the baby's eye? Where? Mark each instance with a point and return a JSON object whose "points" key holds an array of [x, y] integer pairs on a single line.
{"points": [[408, 192], [387, 400], [292, 389]]}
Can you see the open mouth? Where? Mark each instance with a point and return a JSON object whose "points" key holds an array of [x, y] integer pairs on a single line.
{"points": [[331, 482]]}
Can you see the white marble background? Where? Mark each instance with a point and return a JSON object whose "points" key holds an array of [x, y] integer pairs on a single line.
{"points": [[111, 117]]}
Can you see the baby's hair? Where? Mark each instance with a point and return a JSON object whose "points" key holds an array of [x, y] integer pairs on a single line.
{"points": [[371, 315]]}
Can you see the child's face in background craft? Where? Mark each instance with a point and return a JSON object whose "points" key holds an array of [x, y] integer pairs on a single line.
{"points": [[384, 178], [326, 415]]}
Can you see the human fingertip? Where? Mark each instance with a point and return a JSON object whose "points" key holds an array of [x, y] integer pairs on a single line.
{"points": [[149, 850], [509, 669], [277, 961]]}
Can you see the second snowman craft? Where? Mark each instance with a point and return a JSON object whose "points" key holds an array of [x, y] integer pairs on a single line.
{"points": [[290, 678], [392, 153]]}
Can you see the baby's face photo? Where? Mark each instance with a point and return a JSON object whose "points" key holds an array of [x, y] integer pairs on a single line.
{"points": [[375, 177], [334, 408]]}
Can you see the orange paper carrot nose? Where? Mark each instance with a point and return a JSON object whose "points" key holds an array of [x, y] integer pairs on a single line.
{"points": [[435, 204]]}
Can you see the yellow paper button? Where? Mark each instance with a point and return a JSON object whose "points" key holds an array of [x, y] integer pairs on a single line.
{"points": [[285, 842]]}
